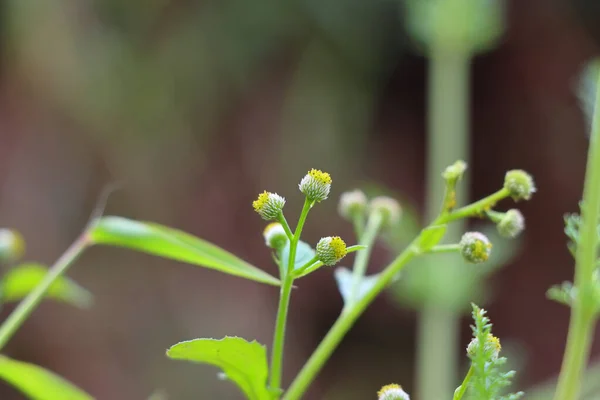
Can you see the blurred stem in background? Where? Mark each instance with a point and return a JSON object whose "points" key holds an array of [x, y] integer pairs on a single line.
{"points": [[448, 141]]}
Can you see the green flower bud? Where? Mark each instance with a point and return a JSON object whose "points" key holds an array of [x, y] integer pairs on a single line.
{"points": [[520, 184], [492, 345], [389, 208], [511, 224], [392, 392], [12, 246], [331, 249], [275, 236], [475, 247], [455, 171], [352, 203], [315, 185], [268, 205]]}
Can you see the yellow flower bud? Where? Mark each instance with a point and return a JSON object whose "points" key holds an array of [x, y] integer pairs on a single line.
{"points": [[268, 205], [331, 249], [316, 185], [392, 392]]}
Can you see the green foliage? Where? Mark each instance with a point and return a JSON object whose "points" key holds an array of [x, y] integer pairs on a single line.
{"points": [[242, 362], [174, 244], [488, 380], [19, 281], [38, 383], [304, 253], [431, 236]]}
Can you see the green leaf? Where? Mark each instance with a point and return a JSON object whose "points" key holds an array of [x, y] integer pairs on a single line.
{"points": [[22, 279], [431, 236], [304, 253], [174, 244], [38, 383], [563, 294], [242, 362]]}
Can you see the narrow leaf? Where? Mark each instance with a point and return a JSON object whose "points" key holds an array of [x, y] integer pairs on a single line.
{"points": [[242, 362], [22, 279], [38, 383], [173, 244], [431, 236]]}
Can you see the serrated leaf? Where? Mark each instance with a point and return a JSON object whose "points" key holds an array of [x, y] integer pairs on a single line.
{"points": [[304, 253], [431, 236], [173, 244], [19, 281], [344, 279], [38, 383], [242, 362], [563, 294]]}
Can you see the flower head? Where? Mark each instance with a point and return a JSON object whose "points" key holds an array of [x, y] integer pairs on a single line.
{"points": [[331, 249], [389, 208], [268, 205], [392, 392], [475, 247], [455, 172], [12, 245], [492, 345], [511, 224], [520, 184], [275, 236], [316, 185], [352, 203]]}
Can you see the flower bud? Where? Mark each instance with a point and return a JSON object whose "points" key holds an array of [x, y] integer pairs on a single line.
{"points": [[392, 392], [511, 224], [12, 246], [275, 236], [316, 185], [475, 247], [331, 249], [389, 208], [492, 345], [520, 184], [352, 203], [455, 171], [268, 205]]}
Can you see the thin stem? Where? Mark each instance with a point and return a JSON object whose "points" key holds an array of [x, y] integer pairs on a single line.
{"points": [[448, 141], [29, 303], [300, 271], [344, 323], [478, 207], [286, 227], [362, 258], [279, 335], [358, 221], [445, 248], [284, 301], [583, 317], [460, 392]]}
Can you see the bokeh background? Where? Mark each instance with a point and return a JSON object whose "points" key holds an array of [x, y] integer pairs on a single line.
{"points": [[196, 106]]}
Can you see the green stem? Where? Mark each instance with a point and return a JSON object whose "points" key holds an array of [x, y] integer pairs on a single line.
{"points": [[583, 316], [358, 221], [29, 303], [344, 323], [460, 392], [286, 227], [448, 141], [362, 258], [478, 207], [445, 248], [284, 301], [300, 271]]}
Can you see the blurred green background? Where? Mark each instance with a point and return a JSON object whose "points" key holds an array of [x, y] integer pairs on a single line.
{"points": [[196, 106]]}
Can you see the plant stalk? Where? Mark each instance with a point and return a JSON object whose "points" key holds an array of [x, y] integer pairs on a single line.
{"points": [[28, 304], [583, 316]]}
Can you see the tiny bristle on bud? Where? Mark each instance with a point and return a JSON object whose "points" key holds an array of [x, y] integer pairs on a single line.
{"points": [[316, 185], [492, 347], [511, 224], [352, 204], [519, 184], [268, 205], [330, 250], [388, 207], [275, 236], [392, 392], [475, 247]]}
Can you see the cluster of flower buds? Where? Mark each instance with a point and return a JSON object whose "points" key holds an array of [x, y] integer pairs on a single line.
{"points": [[491, 345]]}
